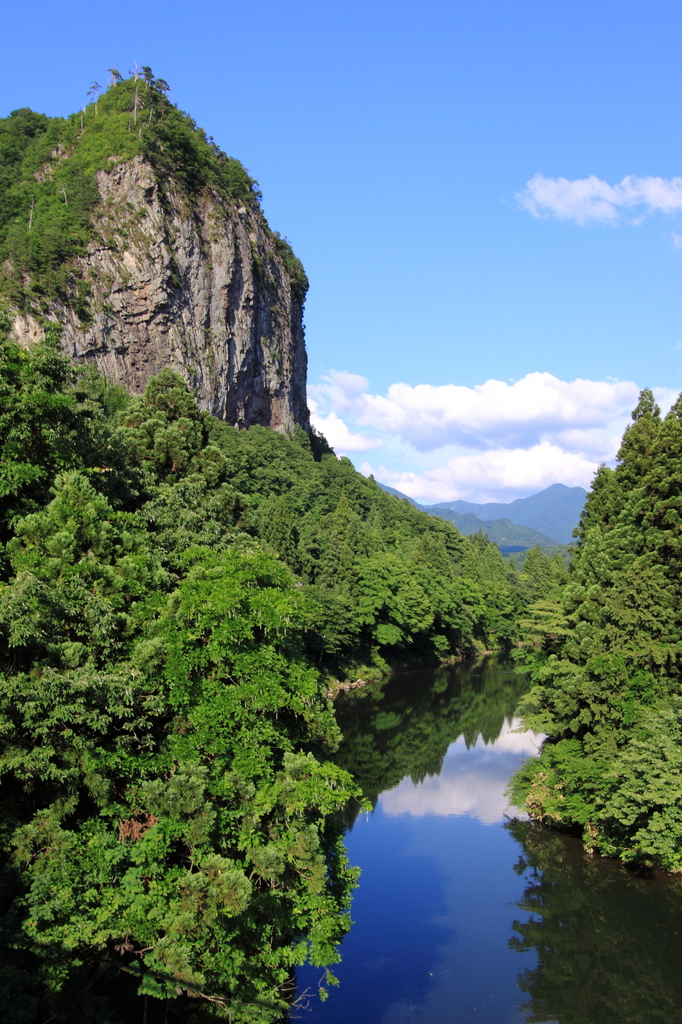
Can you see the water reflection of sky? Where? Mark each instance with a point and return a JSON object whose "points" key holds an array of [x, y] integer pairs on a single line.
{"points": [[435, 907], [445, 886], [471, 782]]}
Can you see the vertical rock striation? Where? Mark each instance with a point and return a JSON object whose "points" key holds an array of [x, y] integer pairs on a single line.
{"points": [[199, 285]]}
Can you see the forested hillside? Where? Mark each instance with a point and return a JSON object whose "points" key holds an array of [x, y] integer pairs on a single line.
{"points": [[165, 793], [607, 688], [175, 597]]}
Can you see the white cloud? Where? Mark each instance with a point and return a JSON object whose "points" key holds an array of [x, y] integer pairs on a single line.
{"points": [[587, 200], [338, 393], [340, 389], [340, 437], [499, 475], [493, 442], [665, 398], [537, 407], [470, 782]]}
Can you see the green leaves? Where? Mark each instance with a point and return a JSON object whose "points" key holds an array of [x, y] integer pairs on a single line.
{"points": [[164, 430], [608, 699], [208, 852], [392, 600], [641, 816], [168, 809], [48, 425], [80, 567]]}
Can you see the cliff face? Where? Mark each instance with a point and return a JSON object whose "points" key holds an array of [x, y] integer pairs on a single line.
{"points": [[199, 285]]}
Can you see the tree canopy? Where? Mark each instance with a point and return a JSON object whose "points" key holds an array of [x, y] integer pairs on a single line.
{"points": [[609, 694], [175, 597]]}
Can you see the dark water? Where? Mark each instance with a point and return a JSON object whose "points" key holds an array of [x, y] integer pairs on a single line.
{"points": [[463, 916]]}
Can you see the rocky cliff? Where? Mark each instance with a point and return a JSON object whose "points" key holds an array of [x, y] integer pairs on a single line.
{"points": [[173, 276]]}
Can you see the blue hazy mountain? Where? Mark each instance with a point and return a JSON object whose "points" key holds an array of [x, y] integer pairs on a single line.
{"points": [[554, 511], [507, 535], [547, 518]]}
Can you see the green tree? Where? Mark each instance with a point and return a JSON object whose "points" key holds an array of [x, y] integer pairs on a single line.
{"points": [[278, 532], [392, 603], [49, 423], [343, 545], [614, 681], [165, 817]]}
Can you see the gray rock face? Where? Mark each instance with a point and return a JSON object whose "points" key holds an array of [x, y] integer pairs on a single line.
{"points": [[200, 288]]}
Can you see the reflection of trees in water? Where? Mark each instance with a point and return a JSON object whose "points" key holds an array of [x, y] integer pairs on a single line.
{"points": [[406, 726], [113, 999], [107, 999], [609, 943]]}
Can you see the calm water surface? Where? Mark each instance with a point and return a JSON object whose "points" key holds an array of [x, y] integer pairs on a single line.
{"points": [[464, 916]]}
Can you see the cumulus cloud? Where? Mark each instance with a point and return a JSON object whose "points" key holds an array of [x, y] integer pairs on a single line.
{"points": [[338, 393], [589, 200], [498, 475], [340, 437], [340, 389], [493, 414], [492, 442]]}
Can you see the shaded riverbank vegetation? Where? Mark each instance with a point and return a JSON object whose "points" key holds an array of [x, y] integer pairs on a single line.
{"points": [[606, 675]]}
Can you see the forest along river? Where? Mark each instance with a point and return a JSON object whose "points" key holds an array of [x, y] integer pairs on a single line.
{"points": [[463, 915]]}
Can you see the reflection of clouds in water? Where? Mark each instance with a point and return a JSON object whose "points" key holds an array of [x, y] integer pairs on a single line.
{"points": [[509, 741], [471, 781], [401, 1013]]}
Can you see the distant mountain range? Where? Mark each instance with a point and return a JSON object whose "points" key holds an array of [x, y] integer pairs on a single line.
{"points": [[507, 535], [547, 518]]}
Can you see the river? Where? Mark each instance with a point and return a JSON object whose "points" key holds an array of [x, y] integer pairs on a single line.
{"points": [[464, 915]]}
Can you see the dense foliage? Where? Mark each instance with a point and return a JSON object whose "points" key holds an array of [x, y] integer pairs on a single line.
{"points": [[607, 690], [165, 810], [175, 595], [49, 192]]}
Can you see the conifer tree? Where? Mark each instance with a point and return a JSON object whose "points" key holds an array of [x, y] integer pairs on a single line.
{"points": [[278, 532], [610, 698]]}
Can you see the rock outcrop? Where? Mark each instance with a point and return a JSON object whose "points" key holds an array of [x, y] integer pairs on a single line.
{"points": [[199, 285]]}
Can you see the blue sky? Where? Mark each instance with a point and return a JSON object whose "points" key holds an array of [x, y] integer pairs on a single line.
{"points": [[394, 144]]}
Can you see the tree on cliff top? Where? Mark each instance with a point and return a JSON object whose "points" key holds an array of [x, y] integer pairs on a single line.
{"points": [[44, 159]]}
